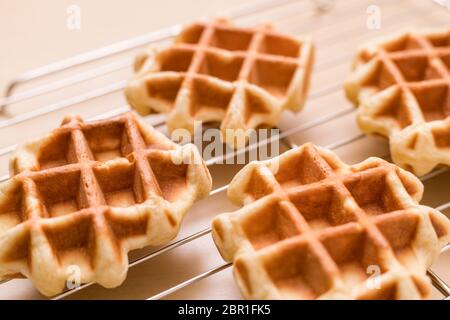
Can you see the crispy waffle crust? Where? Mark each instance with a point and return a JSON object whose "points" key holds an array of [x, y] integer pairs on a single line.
{"points": [[401, 85], [84, 195], [216, 72], [312, 227]]}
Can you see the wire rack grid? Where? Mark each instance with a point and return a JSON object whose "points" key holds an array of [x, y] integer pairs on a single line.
{"points": [[330, 30]]}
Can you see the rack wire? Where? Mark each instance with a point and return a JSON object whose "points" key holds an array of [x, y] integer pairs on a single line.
{"points": [[252, 8]]}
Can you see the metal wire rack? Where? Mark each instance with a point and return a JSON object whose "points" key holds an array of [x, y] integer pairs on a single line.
{"points": [[393, 21]]}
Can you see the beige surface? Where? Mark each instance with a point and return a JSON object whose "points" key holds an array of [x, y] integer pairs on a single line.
{"points": [[34, 33]]}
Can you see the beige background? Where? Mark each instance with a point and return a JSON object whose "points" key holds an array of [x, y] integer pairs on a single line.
{"points": [[34, 33]]}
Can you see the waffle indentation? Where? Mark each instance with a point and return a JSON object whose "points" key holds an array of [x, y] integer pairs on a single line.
{"points": [[322, 206], [108, 142], [396, 110], [12, 211], [171, 177], [403, 43], [441, 137], [304, 168], [298, 272], [207, 96], [231, 39], [259, 186], [60, 193], [280, 46], [355, 253], [178, 59], [381, 79], [254, 105], [372, 192], [415, 69], [74, 242], [434, 102], [273, 76], [399, 228], [165, 90], [57, 152], [270, 225], [225, 69], [121, 185], [440, 40], [191, 34], [445, 58]]}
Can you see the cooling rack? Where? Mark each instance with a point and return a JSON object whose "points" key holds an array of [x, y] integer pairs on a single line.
{"points": [[328, 120]]}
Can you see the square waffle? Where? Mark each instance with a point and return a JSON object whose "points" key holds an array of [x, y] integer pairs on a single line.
{"points": [[216, 72], [87, 193], [401, 86], [313, 227]]}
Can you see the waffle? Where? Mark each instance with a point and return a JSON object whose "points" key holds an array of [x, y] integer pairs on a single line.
{"points": [[84, 195], [401, 85], [216, 72], [312, 227]]}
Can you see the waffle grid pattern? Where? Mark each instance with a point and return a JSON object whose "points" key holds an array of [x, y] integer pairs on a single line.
{"points": [[216, 72], [314, 228], [87, 194], [402, 87]]}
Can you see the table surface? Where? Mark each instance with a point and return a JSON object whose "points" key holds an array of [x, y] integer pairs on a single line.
{"points": [[36, 33]]}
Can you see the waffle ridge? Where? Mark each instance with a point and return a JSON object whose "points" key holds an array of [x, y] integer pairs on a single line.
{"points": [[401, 87], [313, 227], [87, 193], [217, 72]]}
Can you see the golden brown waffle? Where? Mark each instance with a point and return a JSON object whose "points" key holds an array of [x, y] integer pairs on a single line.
{"points": [[87, 193], [312, 227], [401, 85], [216, 72]]}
